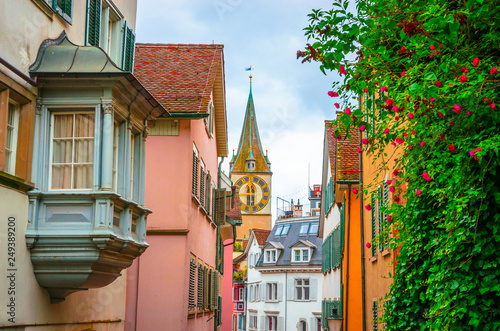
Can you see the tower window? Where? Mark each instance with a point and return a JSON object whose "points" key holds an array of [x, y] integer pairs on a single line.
{"points": [[250, 195], [250, 165]]}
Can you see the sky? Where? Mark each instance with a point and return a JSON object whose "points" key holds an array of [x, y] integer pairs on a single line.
{"points": [[291, 100]]}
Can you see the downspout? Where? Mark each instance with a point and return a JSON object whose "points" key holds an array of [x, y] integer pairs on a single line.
{"points": [[285, 289], [137, 290], [347, 260], [362, 237]]}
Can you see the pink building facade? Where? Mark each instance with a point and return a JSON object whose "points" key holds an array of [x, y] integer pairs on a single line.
{"points": [[177, 283]]}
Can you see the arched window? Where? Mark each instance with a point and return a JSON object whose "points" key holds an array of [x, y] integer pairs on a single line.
{"points": [[250, 194], [303, 326]]}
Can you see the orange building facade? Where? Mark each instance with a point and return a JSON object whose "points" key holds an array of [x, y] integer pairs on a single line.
{"points": [[340, 228]]}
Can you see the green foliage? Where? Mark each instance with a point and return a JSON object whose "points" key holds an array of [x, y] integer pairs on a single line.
{"points": [[439, 114]]}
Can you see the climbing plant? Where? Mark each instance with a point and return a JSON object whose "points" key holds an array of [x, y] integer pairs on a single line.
{"points": [[427, 74]]}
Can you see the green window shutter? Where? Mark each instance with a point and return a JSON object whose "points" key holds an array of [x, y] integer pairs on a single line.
{"points": [[128, 48], [64, 8], [375, 316], [374, 228], [195, 175], [94, 9], [192, 284], [380, 207]]}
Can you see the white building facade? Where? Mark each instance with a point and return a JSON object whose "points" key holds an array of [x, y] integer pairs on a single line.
{"points": [[284, 280]]}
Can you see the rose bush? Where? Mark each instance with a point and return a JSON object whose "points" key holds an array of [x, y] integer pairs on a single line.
{"points": [[431, 67]]}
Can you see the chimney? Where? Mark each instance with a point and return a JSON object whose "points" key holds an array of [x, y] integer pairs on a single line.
{"points": [[298, 209]]}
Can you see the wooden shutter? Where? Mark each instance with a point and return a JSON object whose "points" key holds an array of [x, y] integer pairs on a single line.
{"points": [[192, 283], [375, 316], [94, 9], [128, 48], [280, 292], [205, 288], [374, 227], [313, 289], [385, 200], [64, 8], [220, 210], [290, 290], [208, 188], [199, 288], [202, 186], [263, 322], [380, 206], [214, 207], [195, 175], [214, 282]]}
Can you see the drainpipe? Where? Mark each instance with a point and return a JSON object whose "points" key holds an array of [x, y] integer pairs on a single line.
{"points": [[285, 289], [219, 177], [362, 237], [347, 260]]}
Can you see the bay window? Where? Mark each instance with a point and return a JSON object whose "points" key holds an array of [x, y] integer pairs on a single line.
{"points": [[72, 151]]}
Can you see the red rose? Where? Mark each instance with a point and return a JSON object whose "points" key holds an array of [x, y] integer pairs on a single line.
{"points": [[475, 62], [438, 84], [494, 71], [463, 79], [451, 148]]}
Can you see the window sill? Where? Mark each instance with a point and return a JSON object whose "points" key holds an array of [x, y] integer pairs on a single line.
{"points": [[191, 314], [14, 182], [45, 8], [386, 252], [373, 259]]}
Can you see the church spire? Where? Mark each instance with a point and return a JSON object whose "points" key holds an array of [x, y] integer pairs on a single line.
{"points": [[250, 147]]}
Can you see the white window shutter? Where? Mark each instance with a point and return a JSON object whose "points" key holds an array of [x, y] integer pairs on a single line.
{"points": [[313, 296], [263, 292], [266, 292], [290, 291], [281, 323], [280, 292], [313, 324], [263, 323]]}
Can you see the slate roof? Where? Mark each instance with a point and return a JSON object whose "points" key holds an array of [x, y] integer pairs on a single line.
{"points": [[344, 156], [180, 76], [292, 238]]}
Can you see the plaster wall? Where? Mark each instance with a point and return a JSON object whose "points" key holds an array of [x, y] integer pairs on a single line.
{"points": [[25, 25], [253, 222], [227, 286], [32, 302], [331, 280], [164, 267], [378, 266]]}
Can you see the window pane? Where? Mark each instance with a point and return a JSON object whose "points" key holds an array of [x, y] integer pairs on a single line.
{"points": [[84, 125], [299, 293], [305, 255], [274, 256], [306, 293], [314, 228], [61, 176], [278, 230], [62, 151], [306, 282], [297, 255], [82, 177], [303, 228], [63, 126], [285, 229], [84, 150]]}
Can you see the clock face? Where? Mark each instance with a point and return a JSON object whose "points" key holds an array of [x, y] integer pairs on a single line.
{"points": [[254, 193]]}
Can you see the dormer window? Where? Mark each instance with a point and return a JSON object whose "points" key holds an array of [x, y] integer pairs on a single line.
{"points": [[301, 254], [250, 165], [270, 255]]}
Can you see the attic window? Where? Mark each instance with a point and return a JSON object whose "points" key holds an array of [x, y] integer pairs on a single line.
{"points": [[304, 228], [301, 255], [279, 228], [270, 255], [286, 227], [314, 228]]}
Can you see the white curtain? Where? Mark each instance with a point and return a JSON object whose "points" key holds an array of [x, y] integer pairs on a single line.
{"points": [[73, 151]]}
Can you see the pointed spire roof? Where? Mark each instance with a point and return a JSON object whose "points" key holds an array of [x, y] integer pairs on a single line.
{"points": [[250, 146]]}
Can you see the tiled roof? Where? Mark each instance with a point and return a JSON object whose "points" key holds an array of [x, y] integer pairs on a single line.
{"points": [[181, 77], [344, 156], [261, 235]]}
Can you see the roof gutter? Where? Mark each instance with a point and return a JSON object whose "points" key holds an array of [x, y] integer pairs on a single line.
{"points": [[18, 72], [189, 115]]}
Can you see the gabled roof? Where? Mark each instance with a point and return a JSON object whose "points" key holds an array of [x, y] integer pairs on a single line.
{"points": [[275, 244], [257, 234], [250, 146], [304, 243], [184, 78]]}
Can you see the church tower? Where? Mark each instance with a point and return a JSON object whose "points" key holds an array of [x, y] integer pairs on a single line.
{"points": [[251, 174]]}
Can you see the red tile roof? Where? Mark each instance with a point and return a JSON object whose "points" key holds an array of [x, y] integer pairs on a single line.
{"points": [[261, 235], [344, 156], [181, 77]]}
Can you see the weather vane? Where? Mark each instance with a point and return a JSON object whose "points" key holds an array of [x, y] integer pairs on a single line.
{"points": [[250, 69]]}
